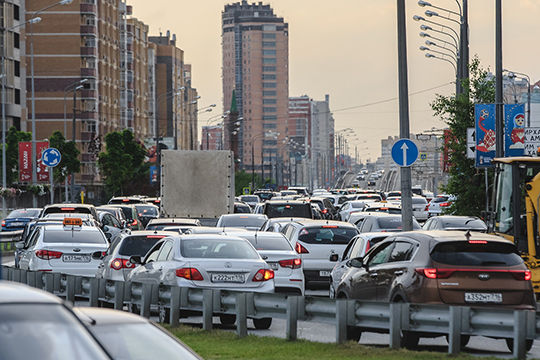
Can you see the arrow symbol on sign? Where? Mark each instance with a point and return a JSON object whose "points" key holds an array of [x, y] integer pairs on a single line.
{"points": [[404, 147]]}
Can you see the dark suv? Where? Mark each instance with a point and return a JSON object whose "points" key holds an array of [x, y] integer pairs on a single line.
{"points": [[287, 208]]}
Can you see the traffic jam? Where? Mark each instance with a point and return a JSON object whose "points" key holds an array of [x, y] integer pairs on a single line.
{"points": [[344, 243]]}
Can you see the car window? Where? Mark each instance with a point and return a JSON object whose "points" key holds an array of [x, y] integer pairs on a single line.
{"points": [[114, 222], [380, 254], [34, 237], [165, 250], [476, 253], [367, 225], [23, 213], [288, 210], [327, 235], [419, 200], [345, 206], [357, 248], [137, 245], [216, 249], [402, 251], [105, 219], [67, 236], [153, 254]]}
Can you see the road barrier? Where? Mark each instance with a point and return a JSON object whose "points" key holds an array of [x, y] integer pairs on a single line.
{"points": [[392, 318], [6, 240]]}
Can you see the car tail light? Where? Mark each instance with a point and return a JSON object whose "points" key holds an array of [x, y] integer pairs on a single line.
{"points": [[48, 255], [118, 264], [263, 275], [3, 222], [329, 226], [300, 249], [125, 200], [155, 236], [67, 209], [523, 275], [436, 273], [444, 204], [291, 263], [427, 207], [135, 222], [190, 274], [478, 242]]}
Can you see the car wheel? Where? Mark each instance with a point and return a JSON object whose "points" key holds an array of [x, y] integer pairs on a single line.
{"points": [[262, 324], [227, 319], [510, 344]]}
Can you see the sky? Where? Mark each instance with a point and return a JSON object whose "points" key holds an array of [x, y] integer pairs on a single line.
{"points": [[348, 50]]}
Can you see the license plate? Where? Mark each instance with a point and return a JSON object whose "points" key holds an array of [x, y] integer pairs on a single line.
{"points": [[228, 278], [13, 224], [273, 266], [76, 258], [484, 298], [324, 273]]}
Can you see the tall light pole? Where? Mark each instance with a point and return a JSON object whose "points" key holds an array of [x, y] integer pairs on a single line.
{"points": [[73, 136], [65, 99], [34, 160], [4, 170], [179, 91]]}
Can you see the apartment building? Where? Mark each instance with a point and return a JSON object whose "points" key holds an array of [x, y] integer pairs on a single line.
{"points": [[255, 58], [211, 137]]}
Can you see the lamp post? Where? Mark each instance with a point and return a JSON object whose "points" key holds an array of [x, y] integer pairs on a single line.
{"points": [[65, 98], [179, 91], [210, 120], [34, 160], [512, 74], [73, 136], [4, 170]]}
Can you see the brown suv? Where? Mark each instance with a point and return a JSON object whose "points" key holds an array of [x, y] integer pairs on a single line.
{"points": [[441, 267]]}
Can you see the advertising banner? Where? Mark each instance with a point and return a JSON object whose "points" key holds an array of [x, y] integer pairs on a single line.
{"points": [[149, 144], [25, 161], [153, 174], [42, 171], [514, 129], [484, 115], [532, 141], [447, 151]]}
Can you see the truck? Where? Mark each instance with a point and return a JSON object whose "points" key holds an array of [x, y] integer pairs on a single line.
{"points": [[197, 184], [515, 207]]}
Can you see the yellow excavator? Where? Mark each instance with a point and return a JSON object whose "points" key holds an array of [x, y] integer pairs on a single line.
{"points": [[517, 191]]}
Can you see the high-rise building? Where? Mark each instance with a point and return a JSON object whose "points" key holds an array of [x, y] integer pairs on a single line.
{"points": [[255, 50]]}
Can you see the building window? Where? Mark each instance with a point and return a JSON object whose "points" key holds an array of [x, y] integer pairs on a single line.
{"points": [[269, 77], [17, 68], [269, 142], [17, 96], [16, 15], [269, 126], [269, 68], [269, 27], [269, 60], [16, 40], [269, 117], [270, 101], [267, 85], [269, 44], [269, 52], [269, 109], [269, 93], [268, 36]]}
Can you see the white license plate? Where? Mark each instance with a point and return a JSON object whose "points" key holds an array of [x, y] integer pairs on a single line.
{"points": [[228, 278], [273, 266], [484, 298], [324, 273], [16, 224], [76, 258]]}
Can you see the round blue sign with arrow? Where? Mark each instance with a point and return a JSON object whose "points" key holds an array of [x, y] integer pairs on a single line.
{"points": [[404, 152], [51, 157]]}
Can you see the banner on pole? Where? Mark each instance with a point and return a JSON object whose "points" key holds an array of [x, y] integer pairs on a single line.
{"points": [[25, 161], [514, 129], [484, 115]]}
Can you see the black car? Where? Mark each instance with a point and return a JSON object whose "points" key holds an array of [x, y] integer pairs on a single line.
{"points": [[328, 210], [287, 208], [242, 208], [147, 212]]}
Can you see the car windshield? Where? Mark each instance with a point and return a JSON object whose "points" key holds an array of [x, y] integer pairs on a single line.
{"points": [[358, 205], [217, 249], [138, 245], [44, 331], [279, 242], [288, 210], [327, 235], [461, 223], [242, 221], [250, 198], [146, 210], [265, 195], [82, 236], [68, 209], [23, 213], [476, 253], [419, 200], [394, 223], [139, 341], [439, 199]]}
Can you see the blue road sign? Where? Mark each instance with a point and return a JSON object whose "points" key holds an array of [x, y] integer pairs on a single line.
{"points": [[51, 157], [404, 152]]}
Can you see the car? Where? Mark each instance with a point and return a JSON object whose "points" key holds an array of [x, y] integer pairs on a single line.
{"points": [[439, 203], [417, 190], [207, 230], [159, 224], [66, 248], [372, 183], [375, 222], [243, 221], [326, 207], [420, 208], [452, 268], [355, 183], [276, 224], [395, 193], [360, 177], [356, 248], [264, 194], [278, 252], [153, 200], [368, 197], [241, 208], [38, 325], [350, 206], [131, 214], [383, 207], [115, 263], [206, 262], [116, 200], [146, 212], [69, 209], [316, 241], [300, 190], [111, 226], [287, 208], [454, 222], [18, 218], [130, 336], [251, 200]]}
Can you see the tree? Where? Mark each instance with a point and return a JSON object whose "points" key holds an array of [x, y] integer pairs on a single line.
{"points": [[70, 156], [122, 161], [243, 180], [466, 182], [12, 153]]}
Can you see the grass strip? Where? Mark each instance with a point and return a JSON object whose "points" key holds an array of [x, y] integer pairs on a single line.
{"points": [[220, 344]]}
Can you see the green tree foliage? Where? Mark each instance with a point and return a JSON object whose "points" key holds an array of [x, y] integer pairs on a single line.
{"points": [[70, 156], [12, 153], [243, 179], [466, 182], [121, 162]]}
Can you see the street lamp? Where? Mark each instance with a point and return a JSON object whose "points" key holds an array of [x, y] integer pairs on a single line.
{"points": [[34, 160], [175, 127], [4, 180], [210, 120], [73, 136], [65, 97], [512, 74]]}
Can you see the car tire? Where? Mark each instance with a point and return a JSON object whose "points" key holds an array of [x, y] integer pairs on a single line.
{"points": [[262, 324], [510, 344], [227, 319]]}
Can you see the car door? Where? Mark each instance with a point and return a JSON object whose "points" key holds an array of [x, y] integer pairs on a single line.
{"points": [[142, 273], [394, 272], [343, 211], [353, 248], [28, 251], [364, 281], [155, 274]]}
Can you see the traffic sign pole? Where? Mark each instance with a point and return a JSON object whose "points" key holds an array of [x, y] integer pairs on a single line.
{"points": [[51, 157]]}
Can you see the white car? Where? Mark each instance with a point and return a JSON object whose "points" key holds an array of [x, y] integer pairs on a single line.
{"points": [[66, 248], [420, 208], [251, 200], [242, 221], [277, 251], [351, 206], [438, 203]]}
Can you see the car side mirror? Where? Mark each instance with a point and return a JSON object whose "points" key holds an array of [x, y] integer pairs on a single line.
{"points": [[17, 238], [356, 263], [123, 224], [334, 257], [98, 255], [135, 259], [19, 245]]}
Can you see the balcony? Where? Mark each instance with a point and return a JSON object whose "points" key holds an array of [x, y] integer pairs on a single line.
{"points": [[88, 9], [88, 30], [86, 136], [89, 115], [129, 47], [88, 51], [88, 72], [130, 66], [88, 93]]}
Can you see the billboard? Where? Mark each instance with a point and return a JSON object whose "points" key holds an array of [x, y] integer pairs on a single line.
{"points": [[149, 144], [514, 129], [484, 115]]}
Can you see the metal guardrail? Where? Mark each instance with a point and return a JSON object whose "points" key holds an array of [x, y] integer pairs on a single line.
{"points": [[6, 240], [393, 318]]}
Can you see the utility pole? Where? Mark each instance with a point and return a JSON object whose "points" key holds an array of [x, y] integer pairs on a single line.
{"points": [[499, 126]]}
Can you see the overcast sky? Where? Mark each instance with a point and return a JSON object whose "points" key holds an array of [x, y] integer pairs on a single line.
{"points": [[348, 49]]}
